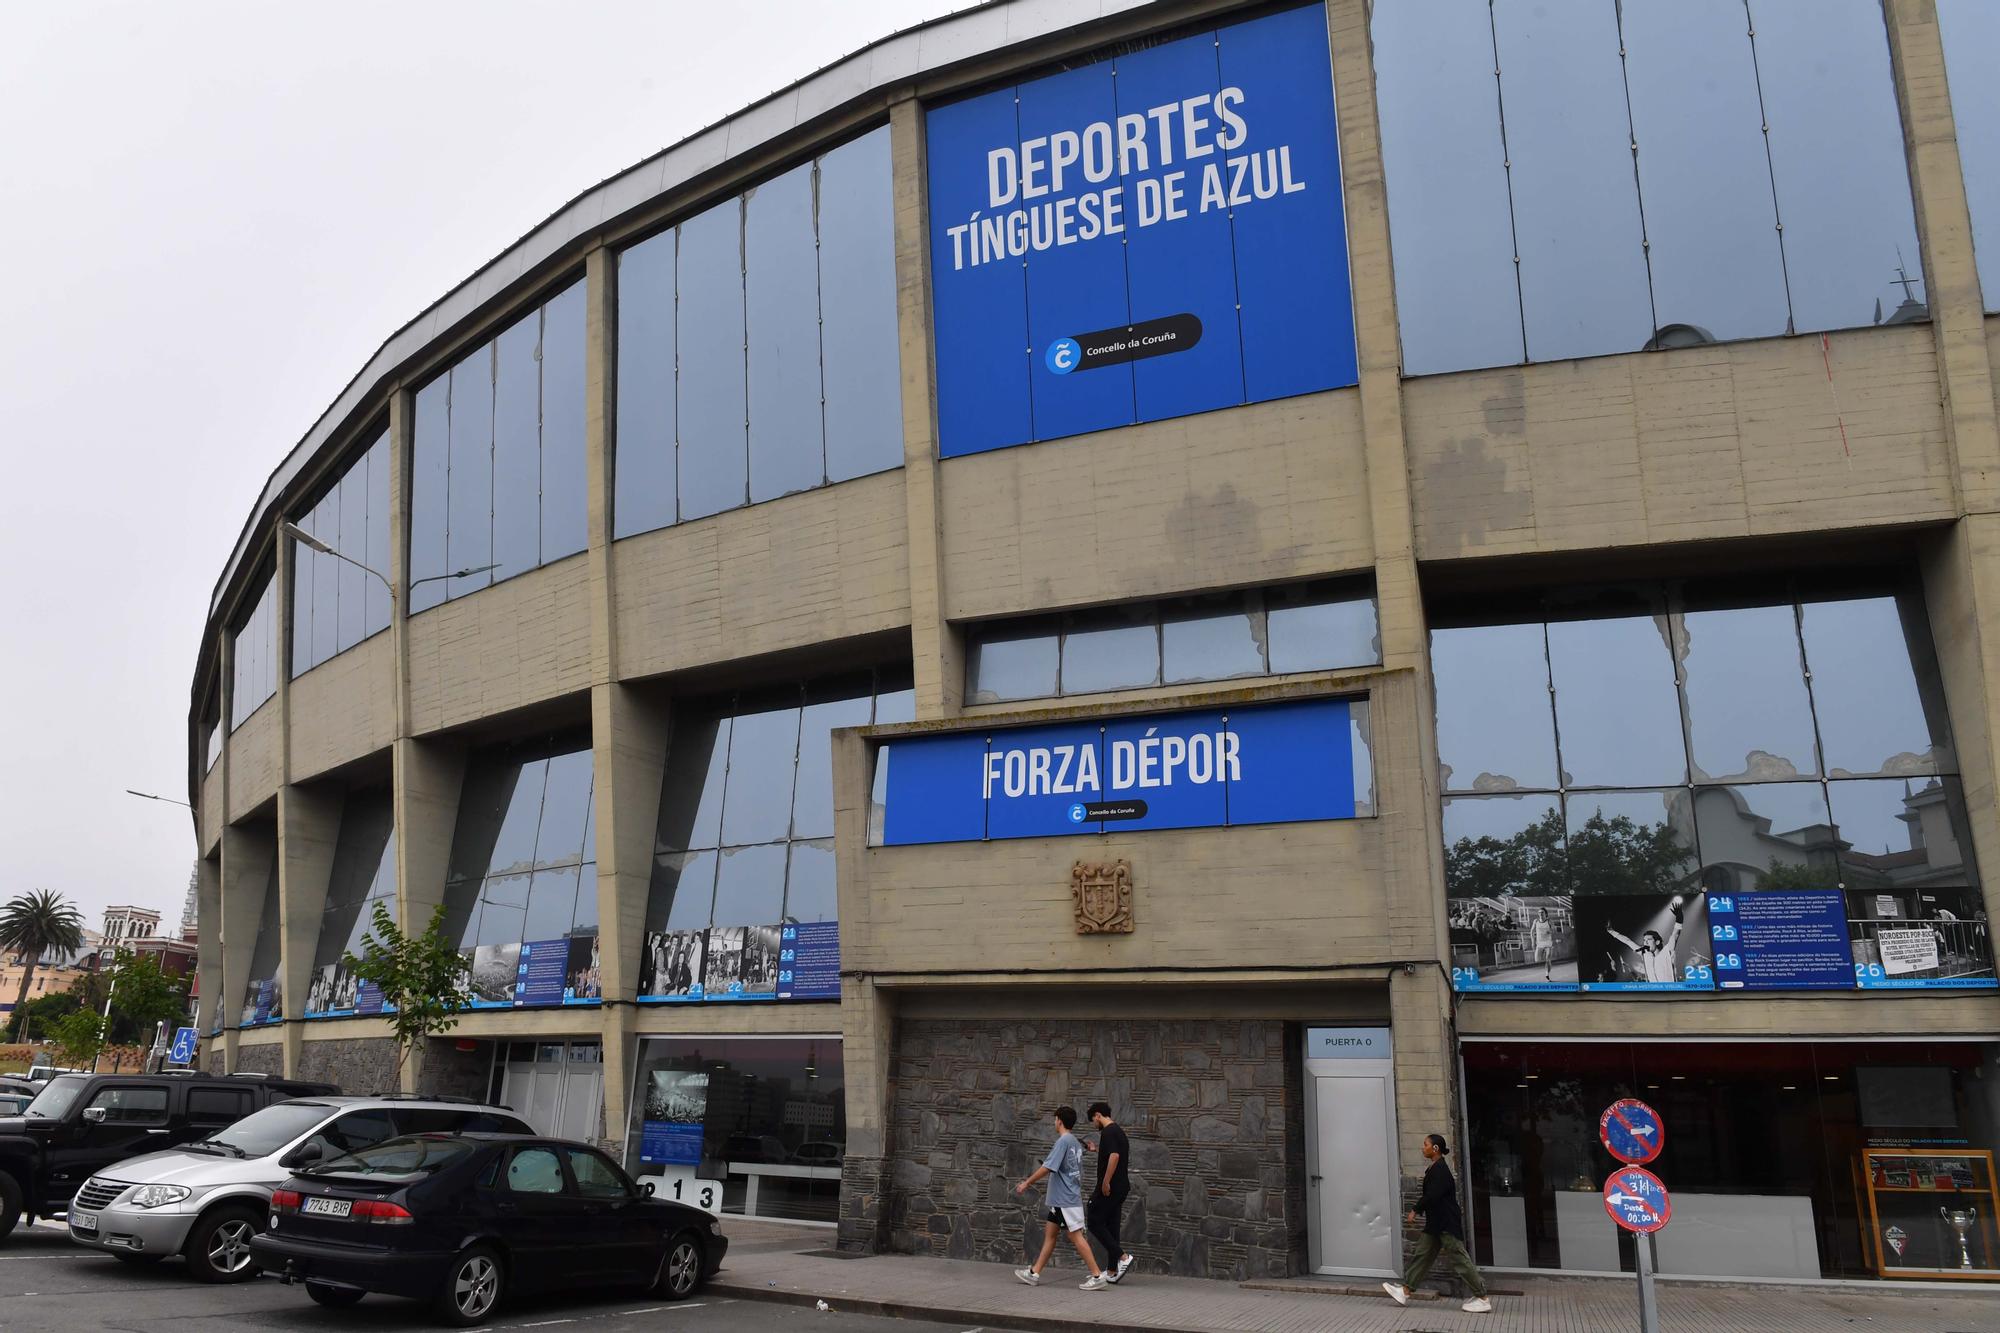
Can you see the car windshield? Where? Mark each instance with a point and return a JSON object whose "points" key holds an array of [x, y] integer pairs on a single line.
{"points": [[56, 1098], [416, 1155], [264, 1132]]}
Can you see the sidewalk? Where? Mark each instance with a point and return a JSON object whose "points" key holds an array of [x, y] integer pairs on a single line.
{"points": [[774, 1262]]}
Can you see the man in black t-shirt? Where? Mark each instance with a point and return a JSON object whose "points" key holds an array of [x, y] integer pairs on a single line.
{"points": [[1114, 1182]]}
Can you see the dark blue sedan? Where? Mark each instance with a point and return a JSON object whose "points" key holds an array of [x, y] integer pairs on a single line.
{"points": [[466, 1220]]}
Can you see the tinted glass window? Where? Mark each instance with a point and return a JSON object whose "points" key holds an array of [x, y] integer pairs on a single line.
{"points": [[217, 1104], [859, 342], [596, 1177], [1747, 711], [1971, 32], [564, 511], [517, 449], [1312, 629], [430, 483], [535, 1171], [129, 1105], [644, 495], [468, 534], [1212, 639], [1616, 716], [399, 1157], [254, 674], [1014, 661], [1111, 650], [711, 409], [1496, 729], [1876, 695], [781, 312], [270, 1129]]}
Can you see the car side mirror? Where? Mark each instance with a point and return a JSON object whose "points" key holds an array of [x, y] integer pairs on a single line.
{"points": [[94, 1114], [646, 1187], [306, 1154]]}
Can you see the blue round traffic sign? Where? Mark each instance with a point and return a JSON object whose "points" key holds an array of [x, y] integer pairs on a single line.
{"points": [[1637, 1200], [1631, 1131]]}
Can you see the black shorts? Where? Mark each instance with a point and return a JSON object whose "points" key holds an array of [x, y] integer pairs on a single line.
{"points": [[1069, 1219]]}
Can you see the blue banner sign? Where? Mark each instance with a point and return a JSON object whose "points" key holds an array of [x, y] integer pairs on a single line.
{"points": [[809, 961], [1151, 235], [1267, 764], [1780, 941]]}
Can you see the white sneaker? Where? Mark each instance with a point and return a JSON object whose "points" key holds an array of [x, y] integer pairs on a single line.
{"points": [[1095, 1282], [1124, 1262], [1477, 1305], [1397, 1292], [1029, 1276]]}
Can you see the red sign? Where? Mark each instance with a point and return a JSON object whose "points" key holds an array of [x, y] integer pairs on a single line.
{"points": [[1637, 1199], [1632, 1131]]}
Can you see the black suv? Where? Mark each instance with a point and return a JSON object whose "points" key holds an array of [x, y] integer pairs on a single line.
{"points": [[80, 1123]]}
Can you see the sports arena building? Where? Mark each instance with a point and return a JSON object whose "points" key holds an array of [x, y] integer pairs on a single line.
{"points": [[1317, 573]]}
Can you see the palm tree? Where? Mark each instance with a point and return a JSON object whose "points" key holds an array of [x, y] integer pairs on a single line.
{"points": [[33, 924]]}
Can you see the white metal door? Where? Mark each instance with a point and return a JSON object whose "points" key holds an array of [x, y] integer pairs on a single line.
{"points": [[560, 1091], [1355, 1189]]}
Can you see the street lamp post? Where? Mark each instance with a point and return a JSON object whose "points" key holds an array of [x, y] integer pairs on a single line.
{"points": [[306, 539]]}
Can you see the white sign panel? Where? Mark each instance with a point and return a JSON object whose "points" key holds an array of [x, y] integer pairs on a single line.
{"points": [[1347, 1044], [1905, 951]]}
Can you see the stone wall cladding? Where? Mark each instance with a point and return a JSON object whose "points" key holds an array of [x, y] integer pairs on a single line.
{"points": [[358, 1066], [863, 1181], [450, 1072], [1211, 1105], [268, 1059]]}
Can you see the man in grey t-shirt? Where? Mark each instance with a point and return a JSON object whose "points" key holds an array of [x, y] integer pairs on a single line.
{"points": [[1064, 1169]]}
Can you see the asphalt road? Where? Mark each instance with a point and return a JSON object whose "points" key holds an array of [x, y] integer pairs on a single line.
{"points": [[46, 1282]]}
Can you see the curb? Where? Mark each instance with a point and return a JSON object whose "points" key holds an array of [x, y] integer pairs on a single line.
{"points": [[937, 1313]]}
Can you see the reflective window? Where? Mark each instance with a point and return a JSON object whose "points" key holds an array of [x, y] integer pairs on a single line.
{"points": [[211, 731], [1630, 841], [337, 603], [758, 344], [1496, 730], [1651, 173], [1748, 717], [363, 876], [1501, 846], [254, 673], [1896, 832], [521, 883], [1303, 627], [743, 845], [1971, 32], [497, 477], [263, 989], [1875, 687], [1616, 717], [1450, 225], [1769, 835]]}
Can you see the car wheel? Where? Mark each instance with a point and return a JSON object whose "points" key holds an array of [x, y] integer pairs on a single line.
{"points": [[10, 1204], [473, 1286], [332, 1297], [136, 1260], [219, 1248], [681, 1273]]}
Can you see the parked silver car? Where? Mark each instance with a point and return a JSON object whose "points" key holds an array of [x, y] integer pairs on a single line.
{"points": [[205, 1200]]}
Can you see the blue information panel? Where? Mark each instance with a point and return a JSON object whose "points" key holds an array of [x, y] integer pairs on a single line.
{"points": [[670, 1143], [1780, 941], [1272, 763], [1147, 236], [809, 961]]}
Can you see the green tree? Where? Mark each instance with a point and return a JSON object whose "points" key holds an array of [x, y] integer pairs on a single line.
{"points": [[143, 997], [40, 1012], [1617, 854], [34, 923], [422, 979], [79, 1037]]}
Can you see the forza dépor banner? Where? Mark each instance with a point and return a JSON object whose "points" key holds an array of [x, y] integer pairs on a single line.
{"points": [[1151, 235], [1265, 764]]}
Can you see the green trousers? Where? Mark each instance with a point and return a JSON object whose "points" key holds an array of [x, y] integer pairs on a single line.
{"points": [[1456, 1260]]}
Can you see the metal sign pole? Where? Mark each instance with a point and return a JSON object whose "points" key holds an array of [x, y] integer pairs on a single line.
{"points": [[1649, 1305]]}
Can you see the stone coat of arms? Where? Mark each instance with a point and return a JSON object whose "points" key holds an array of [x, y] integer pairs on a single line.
{"points": [[1102, 897]]}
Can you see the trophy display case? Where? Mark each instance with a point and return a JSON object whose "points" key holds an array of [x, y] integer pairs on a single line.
{"points": [[1931, 1212]]}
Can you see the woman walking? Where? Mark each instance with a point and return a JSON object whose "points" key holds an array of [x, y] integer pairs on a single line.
{"points": [[1444, 1233]]}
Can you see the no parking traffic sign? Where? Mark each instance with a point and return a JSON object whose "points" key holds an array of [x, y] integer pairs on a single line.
{"points": [[1637, 1200], [1631, 1131]]}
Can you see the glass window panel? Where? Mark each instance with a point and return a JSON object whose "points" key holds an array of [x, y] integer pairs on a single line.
{"points": [[1496, 846], [810, 893], [502, 910], [1773, 835], [1875, 690], [565, 516], [1631, 841], [1837, 157], [682, 895], [691, 796], [812, 800], [1971, 32], [1711, 221], [584, 921], [302, 601], [643, 480], [781, 314], [750, 886], [565, 810], [353, 543], [469, 532], [1576, 207], [763, 754], [1896, 832], [1114, 649], [366, 839], [1312, 631], [1747, 712], [590, 824], [429, 481], [1617, 720], [1450, 225], [552, 896], [1496, 729], [713, 458], [858, 335], [1212, 638], [517, 449], [326, 579], [497, 818], [1015, 660], [378, 534]]}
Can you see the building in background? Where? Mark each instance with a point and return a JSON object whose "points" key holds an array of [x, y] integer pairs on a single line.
{"points": [[1239, 560], [56, 973]]}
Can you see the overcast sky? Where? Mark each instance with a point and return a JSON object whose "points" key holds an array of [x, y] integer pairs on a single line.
{"points": [[212, 214]]}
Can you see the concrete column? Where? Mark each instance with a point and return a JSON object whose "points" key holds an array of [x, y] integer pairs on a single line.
{"points": [[867, 1024], [630, 731], [308, 829], [208, 965], [1426, 1071], [402, 432], [937, 649], [600, 380], [429, 778], [248, 851]]}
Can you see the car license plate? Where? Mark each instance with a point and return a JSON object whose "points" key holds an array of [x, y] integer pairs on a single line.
{"points": [[328, 1207], [82, 1222]]}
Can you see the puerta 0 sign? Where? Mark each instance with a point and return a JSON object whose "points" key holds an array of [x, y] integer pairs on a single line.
{"points": [[1149, 235]]}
